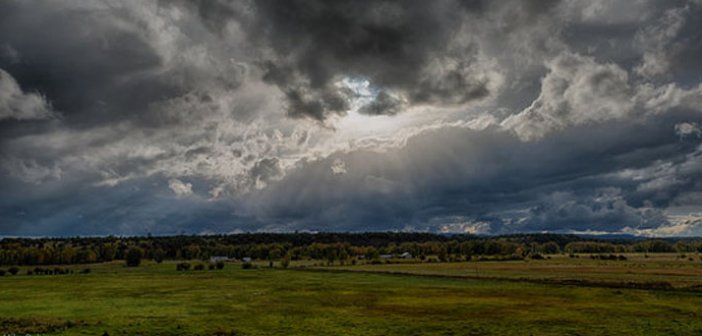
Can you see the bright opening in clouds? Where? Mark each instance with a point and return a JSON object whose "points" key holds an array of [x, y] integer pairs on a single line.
{"points": [[490, 117]]}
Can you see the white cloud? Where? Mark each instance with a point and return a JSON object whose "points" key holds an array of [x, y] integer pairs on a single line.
{"points": [[18, 105], [576, 91], [688, 129], [180, 188], [338, 167]]}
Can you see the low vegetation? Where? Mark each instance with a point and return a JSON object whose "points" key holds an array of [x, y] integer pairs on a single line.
{"points": [[394, 285], [156, 299]]}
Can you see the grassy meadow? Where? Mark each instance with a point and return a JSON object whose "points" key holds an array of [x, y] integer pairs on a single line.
{"points": [[155, 299], [680, 272]]}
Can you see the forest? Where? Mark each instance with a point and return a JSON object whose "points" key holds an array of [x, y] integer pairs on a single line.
{"points": [[341, 248]]}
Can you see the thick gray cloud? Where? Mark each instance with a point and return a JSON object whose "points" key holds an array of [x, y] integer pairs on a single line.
{"points": [[416, 50], [15, 104], [471, 116]]}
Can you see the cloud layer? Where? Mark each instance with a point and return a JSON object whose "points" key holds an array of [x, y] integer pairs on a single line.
{"points": [[449, 116]]}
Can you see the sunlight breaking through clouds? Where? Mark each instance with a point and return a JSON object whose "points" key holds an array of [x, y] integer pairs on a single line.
{"points": [[443, 116]]}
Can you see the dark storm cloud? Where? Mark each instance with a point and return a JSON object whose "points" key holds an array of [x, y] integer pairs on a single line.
{"points": [[478, 116], [411, 48], [77, 58]]}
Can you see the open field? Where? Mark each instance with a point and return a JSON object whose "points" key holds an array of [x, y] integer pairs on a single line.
{"points": [[638, 269], [156, 300]]}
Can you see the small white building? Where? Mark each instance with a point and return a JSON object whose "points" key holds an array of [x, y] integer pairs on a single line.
{"points": [[215, 259], [246, 259], [386, 256], [406, 255]]}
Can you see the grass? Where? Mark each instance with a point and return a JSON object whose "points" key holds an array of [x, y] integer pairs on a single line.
{"points": [[680, 273], [156, 300]]}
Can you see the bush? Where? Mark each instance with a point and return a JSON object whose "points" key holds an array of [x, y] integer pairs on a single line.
{"points": [[159, 255], [2, 272], [85, 271], [285, 262], [219, 265], [29, 272], [210, 266], [537, 256], [134, 256], [13, 270], [199, 267], [182, 266], [247, 265]]}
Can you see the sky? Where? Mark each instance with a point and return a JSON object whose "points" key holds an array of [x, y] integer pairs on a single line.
{"points": [[487, 117]]}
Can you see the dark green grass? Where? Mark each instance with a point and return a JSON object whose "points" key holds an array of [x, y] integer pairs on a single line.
{"points": [[157, 300]]}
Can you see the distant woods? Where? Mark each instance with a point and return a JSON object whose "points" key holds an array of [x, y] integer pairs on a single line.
{"points": [[329, 247]]}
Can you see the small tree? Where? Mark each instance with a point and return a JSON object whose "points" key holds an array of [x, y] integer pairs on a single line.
{"points": [[443, 255], [134, 256], [220, 265], [13, 270], [159, 255], [285, 262]]}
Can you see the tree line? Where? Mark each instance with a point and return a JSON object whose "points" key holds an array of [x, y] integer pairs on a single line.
{"points": [[330, 247]]}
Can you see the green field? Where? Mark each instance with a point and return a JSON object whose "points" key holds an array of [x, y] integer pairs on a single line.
{"points": [[638, 269], [156, 300]]}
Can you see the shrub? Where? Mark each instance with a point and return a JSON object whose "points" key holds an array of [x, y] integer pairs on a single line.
{"points": [[159, 255], [2, 272], [247, 265], [85, 271], [219, 265], [537, 256], [29, 272], [134, 256], [621, 257], [199, 267], [210, 266], [182, 266], [285, 262], [13, 270]]}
